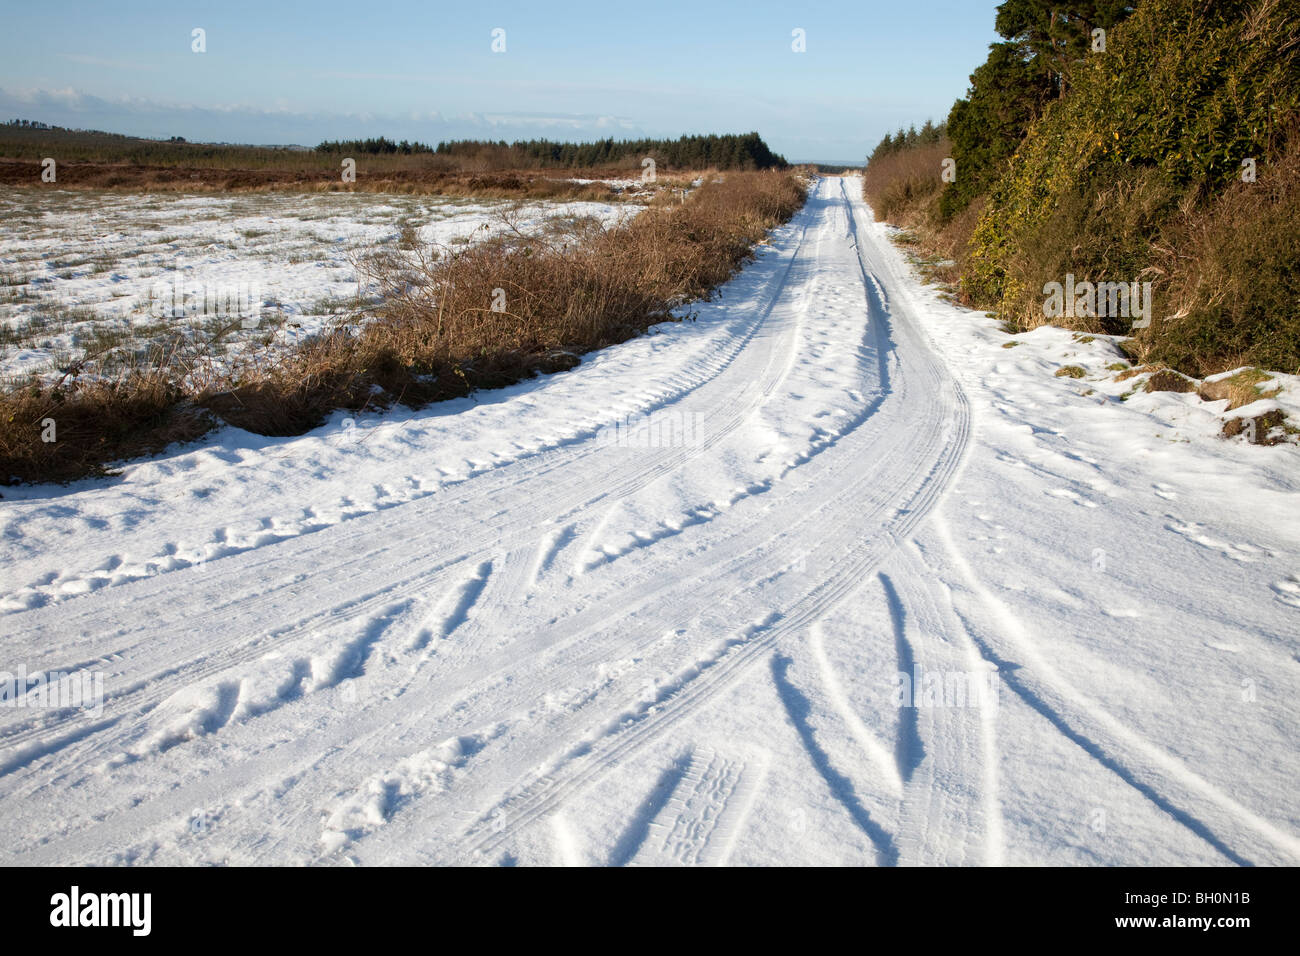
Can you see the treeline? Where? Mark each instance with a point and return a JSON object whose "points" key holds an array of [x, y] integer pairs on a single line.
{"points": [[726, 151], [1157, 139], [28, 139], [379, 146], [910, 138]]}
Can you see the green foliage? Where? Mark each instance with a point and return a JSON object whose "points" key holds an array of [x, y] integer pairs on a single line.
{"points": [[1185, 91], [373, 147], [1058, 35], [1234, 278], [1129, 169], [1046, 43], [1007, 93]]}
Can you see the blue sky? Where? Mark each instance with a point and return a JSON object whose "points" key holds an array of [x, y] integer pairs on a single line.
{"points": [[281, 72]]}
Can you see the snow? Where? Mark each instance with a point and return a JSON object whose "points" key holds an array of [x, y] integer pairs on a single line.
{"points": [[86, 265], [618, 185], [485, 632]]}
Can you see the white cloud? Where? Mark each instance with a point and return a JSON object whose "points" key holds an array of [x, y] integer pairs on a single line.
{"points": [[251, 124]]}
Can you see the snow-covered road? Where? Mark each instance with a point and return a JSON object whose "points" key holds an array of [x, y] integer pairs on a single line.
{"points": [[822, 576]]}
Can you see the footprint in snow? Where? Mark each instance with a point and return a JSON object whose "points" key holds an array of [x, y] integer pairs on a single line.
{"points": [[1288, 591]]}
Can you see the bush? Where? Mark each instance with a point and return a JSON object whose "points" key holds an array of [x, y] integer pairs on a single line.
{"points": [[90, 423], [1118, 181], [901, 184], [1232, 271]]}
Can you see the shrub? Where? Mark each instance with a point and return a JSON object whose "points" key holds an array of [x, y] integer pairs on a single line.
{"points": [[1118, 181], [90, 423], [903, 184]]}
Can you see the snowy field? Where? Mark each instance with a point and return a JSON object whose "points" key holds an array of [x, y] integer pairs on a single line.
{"points": [[84, 271], [826, 576]]}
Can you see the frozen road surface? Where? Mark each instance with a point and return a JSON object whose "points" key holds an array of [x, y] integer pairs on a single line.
{"points": [[822, 575]]}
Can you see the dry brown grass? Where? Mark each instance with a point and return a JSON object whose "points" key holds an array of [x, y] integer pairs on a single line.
{"points": [[403, 175], [1240, 389], [435, 334], [904, 188], [1222, 266], [1129, 373], [138, 413], [1259, 429], [1232, 284]]}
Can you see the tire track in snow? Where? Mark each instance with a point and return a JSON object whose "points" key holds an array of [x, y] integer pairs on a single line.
{"points": [[940, 448], [533, 464], [549, 551], [924, 466], [236, 649], [593, 757], [950, 801], [888, 764], [799, 709], [605, 486], [909, 751], [699, 823], [452, 614], [756, 388], [913, 469], [1238, 833], [639, 829]]}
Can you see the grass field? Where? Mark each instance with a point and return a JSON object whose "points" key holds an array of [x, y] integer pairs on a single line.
{"points": [[132, 321], [86, 273]]}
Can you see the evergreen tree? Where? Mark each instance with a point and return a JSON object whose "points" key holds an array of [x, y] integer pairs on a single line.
{"points": [[1032, 66], [1057, 34]]}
